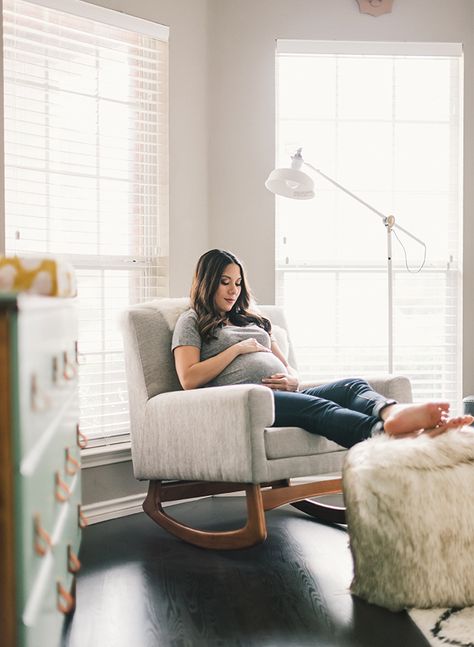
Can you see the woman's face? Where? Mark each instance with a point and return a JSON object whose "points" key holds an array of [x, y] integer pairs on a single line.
{"points": [[229, 289]]}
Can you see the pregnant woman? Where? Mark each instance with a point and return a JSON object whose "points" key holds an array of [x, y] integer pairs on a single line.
{"points": [[220, 341]]}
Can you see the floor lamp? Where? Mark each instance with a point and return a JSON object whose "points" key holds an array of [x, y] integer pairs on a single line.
{"points": [[295, 183]]}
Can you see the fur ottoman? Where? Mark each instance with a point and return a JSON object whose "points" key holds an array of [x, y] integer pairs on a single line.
{"points": [[410, 514]]}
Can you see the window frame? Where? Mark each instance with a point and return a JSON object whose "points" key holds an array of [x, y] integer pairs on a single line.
{"points": [[358, 48], [153, 257]]}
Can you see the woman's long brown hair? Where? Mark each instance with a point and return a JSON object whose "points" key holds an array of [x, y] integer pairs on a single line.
{"points": [[207, 278]]}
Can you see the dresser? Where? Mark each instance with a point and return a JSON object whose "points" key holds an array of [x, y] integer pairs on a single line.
{"points": [[40, 489]]}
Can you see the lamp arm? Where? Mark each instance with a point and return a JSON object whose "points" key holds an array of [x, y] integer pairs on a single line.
{"points": [[388, 221]]}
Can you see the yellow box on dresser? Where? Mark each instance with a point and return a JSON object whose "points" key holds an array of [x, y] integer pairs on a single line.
{"points": [[46, 276], [40, 514]]}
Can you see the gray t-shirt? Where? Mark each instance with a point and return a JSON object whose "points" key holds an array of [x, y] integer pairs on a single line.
{"points": [[249, 368]]}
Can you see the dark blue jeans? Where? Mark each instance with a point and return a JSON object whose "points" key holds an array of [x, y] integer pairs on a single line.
{"points": [[345, 411]]}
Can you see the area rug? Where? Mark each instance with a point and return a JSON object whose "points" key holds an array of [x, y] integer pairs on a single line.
{"points": [[443, 627]]}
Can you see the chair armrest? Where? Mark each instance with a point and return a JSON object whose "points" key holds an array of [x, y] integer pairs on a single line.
{"points": [[397, 387], [211, 434]]}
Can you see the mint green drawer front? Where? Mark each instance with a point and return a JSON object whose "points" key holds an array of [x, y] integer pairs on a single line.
{"points": [[45, 493], [66, 550], [41, 623], [52, 593], [42, 400], [48, 372], [34, 424]]}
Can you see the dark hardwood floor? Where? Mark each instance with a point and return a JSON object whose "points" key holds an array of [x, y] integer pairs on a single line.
{"points": [[141, 587]]}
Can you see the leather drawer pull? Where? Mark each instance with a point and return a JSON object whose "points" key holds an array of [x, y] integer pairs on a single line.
{"points": [[62, 492], [42, 538], [69, 369], [73, 563], [72, 464], [81, 438], [83, 521], [66, 601], [55, 370], [39, 400]]}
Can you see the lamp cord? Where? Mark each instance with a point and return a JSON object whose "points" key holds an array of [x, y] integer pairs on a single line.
{"points": [[409, 269]]}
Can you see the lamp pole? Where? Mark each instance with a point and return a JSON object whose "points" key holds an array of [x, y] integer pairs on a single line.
{"points": [[390, 224]]}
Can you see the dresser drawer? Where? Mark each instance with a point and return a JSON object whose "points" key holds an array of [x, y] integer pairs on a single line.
{"points": [[41, 623], [66, 547], [48, 486], [47, 372], [52, 593]]}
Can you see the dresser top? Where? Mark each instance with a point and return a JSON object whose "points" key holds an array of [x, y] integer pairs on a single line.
{"points": [[26, 302]]}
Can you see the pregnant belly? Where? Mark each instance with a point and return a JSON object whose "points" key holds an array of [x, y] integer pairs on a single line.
{"points": [[249, 369]]}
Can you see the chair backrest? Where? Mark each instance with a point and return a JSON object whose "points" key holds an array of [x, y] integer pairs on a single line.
{"points": [[147, 330]]}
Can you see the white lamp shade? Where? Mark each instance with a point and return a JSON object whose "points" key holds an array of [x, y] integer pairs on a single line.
{"points": [[290, 183]]}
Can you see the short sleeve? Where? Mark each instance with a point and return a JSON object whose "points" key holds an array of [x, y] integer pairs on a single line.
{"points": [[186, 332]]}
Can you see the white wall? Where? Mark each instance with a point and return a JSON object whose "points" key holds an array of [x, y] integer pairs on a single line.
{"points": [[242, 49]]}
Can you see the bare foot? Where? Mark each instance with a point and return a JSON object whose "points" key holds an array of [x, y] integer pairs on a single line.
{"points": [[409, 418], [450, 423]]}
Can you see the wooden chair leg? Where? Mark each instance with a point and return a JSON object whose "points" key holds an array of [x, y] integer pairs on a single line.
{"points": [[321, 511], [254, 531]]}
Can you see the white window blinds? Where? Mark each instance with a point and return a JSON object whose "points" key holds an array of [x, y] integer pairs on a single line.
{"points": [[384, 120], [86, 172]]}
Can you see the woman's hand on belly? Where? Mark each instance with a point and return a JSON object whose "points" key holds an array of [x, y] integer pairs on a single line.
{"points": [[281, 382], [250, 345]]}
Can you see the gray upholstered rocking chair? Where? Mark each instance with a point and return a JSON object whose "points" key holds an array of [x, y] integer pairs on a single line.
{"points": [[219, 439]]}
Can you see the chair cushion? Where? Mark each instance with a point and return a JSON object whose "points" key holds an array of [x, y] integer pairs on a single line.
{"points": [[150, 327], [288, 442]]}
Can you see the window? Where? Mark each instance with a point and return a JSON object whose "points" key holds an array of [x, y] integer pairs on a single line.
{"points": [[384, 120], [86, 172]]}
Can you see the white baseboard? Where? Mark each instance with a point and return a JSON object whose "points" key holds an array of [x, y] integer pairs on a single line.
{"points": [[123, 507], [114, 508], [127, 505]]}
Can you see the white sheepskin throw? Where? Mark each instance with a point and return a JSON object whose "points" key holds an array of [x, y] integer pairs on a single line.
{"points": [[410, 514]]}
